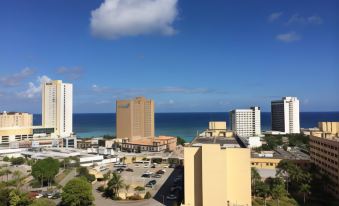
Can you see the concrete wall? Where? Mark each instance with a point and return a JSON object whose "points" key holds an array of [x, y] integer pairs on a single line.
{"points": [[215, 176]]}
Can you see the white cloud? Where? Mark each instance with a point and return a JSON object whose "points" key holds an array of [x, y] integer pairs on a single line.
{"points": [[34, 89], [71, 73], [274, 16], [118, 18], [15, 79], [315, 20], [298, 19], [288, 37]]}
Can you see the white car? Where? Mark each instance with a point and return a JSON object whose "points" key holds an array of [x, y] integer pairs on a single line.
{"points": [[38, 196], [165, 166], [146, 166]]}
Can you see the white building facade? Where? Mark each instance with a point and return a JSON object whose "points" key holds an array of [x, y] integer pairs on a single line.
{"points": [[57, 107], [285, 115], [246, 122]]}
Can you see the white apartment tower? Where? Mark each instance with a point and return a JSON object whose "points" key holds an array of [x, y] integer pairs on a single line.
{"points": [[285, 115], [246, 122], [57, 107]]}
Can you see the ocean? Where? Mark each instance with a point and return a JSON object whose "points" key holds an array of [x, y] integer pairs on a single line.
{"points": [[185, 125]]}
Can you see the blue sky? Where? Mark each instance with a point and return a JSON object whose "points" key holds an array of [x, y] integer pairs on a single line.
{"points": [[187, 55]]}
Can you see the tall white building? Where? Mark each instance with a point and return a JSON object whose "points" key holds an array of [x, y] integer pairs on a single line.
{"points": [[57, 107], [285, 115], [246, 122]]}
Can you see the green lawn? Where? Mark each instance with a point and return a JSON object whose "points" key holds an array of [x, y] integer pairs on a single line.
{"points": [[62, 175]]}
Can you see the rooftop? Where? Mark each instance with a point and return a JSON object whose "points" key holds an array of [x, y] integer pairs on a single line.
{"points": [[223, 141]]}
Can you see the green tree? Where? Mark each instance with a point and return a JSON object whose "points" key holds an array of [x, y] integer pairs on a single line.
{"points": [[180, 141], [255, 178], [45, 170], [147, 195], [4, 195], [263, 190], [77, 192], [107, 175], [304, 189], [83, 172], [6, 159], [14, 198], [42, 202], [18, 161], [7, 172], [115, 184], [278, 191], [17, 175], [126, 187], [65, 162]]}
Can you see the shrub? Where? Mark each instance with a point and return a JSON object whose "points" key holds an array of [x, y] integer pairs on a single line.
{"points": [[6, 159], [135, 197], [147, 195], [18, 161], [139, 188], [101, 188]]}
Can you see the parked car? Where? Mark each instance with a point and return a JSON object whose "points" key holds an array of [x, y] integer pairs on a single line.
{"points": [[151, 183], [160, 172], [146, 166], [39, 196], [156, 176], [129, 170], [171, 197], [174, 188], [165, 166], [146, 175], [56, 195], [136, 165], [178, 179], [119, 170], [153, 166], [172, 166]]}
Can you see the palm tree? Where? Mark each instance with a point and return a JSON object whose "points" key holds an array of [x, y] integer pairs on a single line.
{"points": [[278, 191], [255, 177], [127, 186], [115, 184], [263, 191], [305, 189], [7, 172], [2, 173], [17, 175]]}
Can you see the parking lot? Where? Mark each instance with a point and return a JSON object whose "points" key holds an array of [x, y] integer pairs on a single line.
{"points": [[135, 178]]}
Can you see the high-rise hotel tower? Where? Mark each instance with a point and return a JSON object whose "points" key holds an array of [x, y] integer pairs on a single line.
{"points": [[135, 118], [285, 115], [246, 122], [57, 107]]}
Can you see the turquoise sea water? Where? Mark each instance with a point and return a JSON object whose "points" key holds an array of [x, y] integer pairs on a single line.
{"points": [[185, 125]]}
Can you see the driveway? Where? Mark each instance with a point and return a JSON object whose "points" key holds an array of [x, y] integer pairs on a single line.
{"points": [[99, 200]]}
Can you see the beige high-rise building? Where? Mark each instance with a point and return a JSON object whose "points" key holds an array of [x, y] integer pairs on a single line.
{"points": [[57, 107], [135, 118], [218, 177], [16, 119]]}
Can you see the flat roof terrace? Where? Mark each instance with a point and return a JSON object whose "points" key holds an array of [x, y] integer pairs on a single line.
{"points": [[222, 141]]}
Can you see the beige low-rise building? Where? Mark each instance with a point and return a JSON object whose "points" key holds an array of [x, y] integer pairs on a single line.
{"points": [[216, 176], [149, 144], [15, 119]]}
